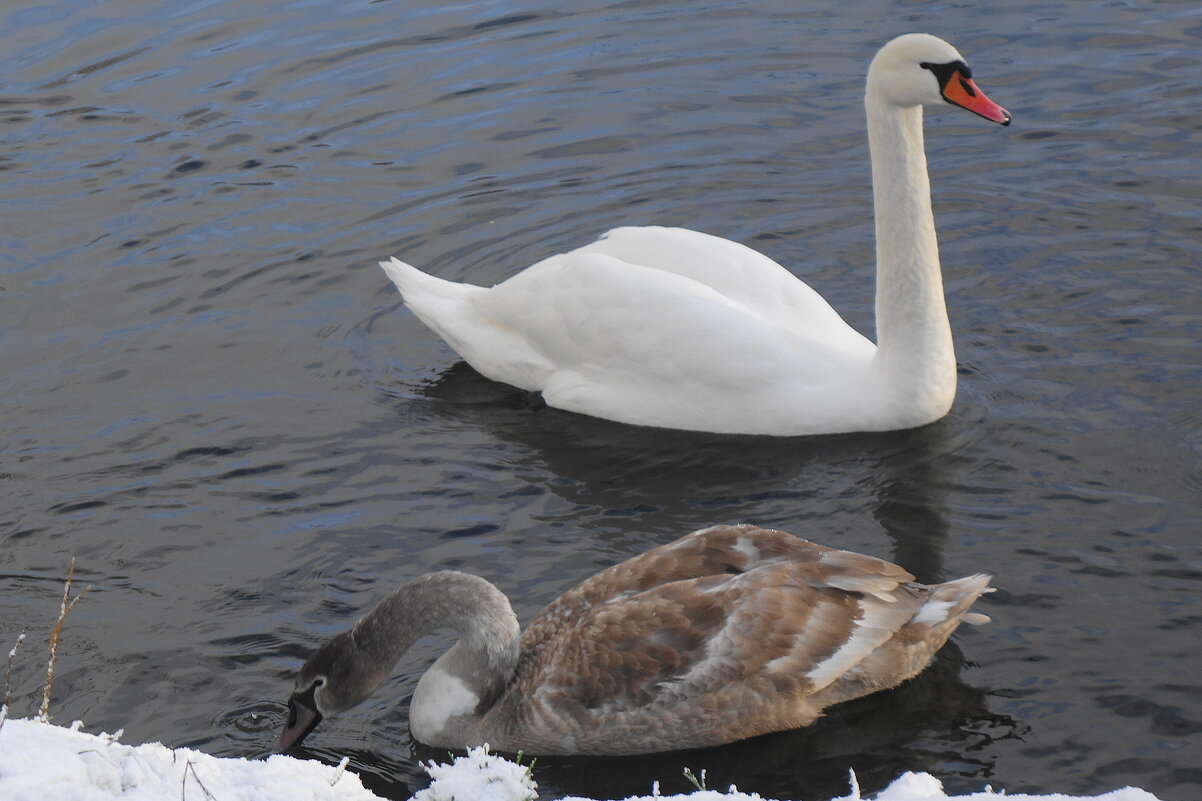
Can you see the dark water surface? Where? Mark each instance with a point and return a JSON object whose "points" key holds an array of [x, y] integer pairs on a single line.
{"points": [[211, 398]]}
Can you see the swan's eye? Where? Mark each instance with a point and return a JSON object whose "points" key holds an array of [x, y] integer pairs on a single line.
{"points": [[945, 72]]}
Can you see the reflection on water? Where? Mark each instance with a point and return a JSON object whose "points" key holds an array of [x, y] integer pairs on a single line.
{"points": [[948, 723], [213, 399]]}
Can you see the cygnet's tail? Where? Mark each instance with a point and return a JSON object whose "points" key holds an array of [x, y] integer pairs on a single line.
{"points": [[950, 602]]}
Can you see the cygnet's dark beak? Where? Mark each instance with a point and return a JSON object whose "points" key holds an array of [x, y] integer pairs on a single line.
{"points": [[303, 718]]}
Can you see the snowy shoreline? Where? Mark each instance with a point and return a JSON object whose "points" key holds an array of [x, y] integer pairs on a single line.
{"points": [[43, 762]]}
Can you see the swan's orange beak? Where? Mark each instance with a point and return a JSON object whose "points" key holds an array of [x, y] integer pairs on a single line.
{"points": [[960, 90]]}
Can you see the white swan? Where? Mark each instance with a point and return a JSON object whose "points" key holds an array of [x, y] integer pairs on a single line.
{"points": [[727, 633], [674, 328]]}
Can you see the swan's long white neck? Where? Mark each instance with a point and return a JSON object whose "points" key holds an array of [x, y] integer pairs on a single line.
{"points": [[915, 355]]}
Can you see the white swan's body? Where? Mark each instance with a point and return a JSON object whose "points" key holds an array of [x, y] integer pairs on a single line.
{"points": [[674, 328], [727, 633]]}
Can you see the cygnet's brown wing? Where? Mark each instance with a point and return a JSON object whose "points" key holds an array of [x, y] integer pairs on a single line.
{"points": [[721, 550], [723, 634]]}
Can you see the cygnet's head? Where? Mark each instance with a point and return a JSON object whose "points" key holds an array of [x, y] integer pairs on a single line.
{"points": [[338, 676], [918, 69]]}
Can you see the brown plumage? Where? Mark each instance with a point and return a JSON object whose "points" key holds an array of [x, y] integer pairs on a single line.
{"points": [[724, 634]]}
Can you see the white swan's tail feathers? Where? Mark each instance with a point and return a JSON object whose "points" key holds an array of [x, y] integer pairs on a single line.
{"points": [[416, 285], [457, 313], [444, 306]]}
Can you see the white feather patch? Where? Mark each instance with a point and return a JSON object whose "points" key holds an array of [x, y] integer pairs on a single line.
{"points": [[876, 626], [745, 546], [933, 612], [438, 697]]}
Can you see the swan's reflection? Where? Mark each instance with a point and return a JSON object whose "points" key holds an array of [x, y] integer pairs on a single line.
{"points": [[933, 723]]}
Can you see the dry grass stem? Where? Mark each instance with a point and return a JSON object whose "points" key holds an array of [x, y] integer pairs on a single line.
{"points": [[8, 681], [67, 605], [188, 766], [342, 763]]}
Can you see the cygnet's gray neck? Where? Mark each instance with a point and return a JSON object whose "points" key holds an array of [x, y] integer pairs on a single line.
{"points": [[479, 612], [467, 679]]}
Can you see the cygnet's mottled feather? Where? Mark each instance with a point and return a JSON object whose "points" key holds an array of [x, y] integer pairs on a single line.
{"points": [[727, 633]]}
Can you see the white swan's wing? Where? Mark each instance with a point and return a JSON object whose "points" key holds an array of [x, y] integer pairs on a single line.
{"points": [[662, 327], [734, 271], [644, 345]]}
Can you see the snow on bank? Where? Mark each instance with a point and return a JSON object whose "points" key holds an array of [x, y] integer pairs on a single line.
{"points": [[41, 762]]}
